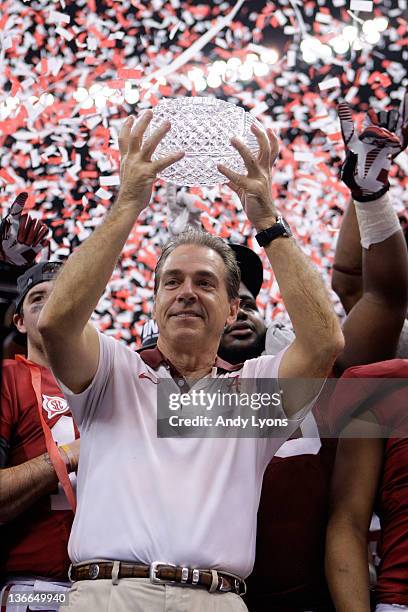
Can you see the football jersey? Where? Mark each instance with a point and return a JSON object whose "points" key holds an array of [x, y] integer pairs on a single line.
{"points": [[289, 573], [392, 498], [35, 542]]}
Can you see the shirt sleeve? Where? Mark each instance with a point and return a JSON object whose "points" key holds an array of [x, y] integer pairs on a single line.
{"points": [[278, 336], [83, 405], [374, 390], [7, 416]]}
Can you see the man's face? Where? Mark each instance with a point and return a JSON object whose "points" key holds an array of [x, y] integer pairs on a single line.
{"points": [[27, 320], [192, 303], [245, 338]]}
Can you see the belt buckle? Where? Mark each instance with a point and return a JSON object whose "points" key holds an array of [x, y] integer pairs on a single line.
{"points": [[69, 572], [235, 586], [224, 586], [238, 584], [154, 567]]}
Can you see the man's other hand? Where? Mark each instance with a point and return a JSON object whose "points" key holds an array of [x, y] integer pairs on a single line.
{"points": [[255, 189]]}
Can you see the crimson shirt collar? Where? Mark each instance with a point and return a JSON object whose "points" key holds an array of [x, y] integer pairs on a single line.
{"points": [[154, 358]]}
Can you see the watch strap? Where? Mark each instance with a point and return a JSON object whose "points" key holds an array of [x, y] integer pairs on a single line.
{"points": [[277, 230]]}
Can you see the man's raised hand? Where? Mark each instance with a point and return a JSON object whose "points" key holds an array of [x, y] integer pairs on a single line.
{"points": [[137, 169], [255, 189]]}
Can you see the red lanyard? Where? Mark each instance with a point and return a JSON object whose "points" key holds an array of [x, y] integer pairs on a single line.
{"points": [[52, 448]]}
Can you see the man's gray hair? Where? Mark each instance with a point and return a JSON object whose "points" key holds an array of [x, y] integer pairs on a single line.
{"points": [[203, 239]]}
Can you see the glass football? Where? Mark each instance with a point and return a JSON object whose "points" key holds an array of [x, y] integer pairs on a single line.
{"points": [[202, 127]]}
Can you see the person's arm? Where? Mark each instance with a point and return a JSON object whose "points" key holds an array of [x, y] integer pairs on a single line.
{"points": [[354, 484], [71, 342], [373, 326], [318, 335], [21, 486], [347, 278], [371, 240]]}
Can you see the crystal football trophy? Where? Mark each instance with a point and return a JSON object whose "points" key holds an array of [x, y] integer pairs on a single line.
{"points": [[202, 127]]}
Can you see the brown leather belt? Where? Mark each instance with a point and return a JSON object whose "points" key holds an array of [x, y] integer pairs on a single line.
{"points": [[159, 573]]}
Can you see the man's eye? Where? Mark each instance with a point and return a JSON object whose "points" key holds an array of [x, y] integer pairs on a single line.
{"points": [[247, 306], [205, 283], [170, 282]]}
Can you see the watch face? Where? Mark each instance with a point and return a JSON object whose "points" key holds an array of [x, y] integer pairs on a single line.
{"points": [[285, 225], [280, 228]]}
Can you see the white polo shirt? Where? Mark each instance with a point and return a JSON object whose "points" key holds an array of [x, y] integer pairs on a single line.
{"points": [[188, 501]]}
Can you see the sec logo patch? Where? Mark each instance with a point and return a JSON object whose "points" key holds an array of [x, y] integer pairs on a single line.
{"points": [[54, 405]]}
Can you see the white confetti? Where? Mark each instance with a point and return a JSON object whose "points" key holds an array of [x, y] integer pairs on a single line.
{"points": [[324, 18], [329, 84], [103, 194], [56, 16], [280, 17], [64, 33], [108, 181], [303, 156], [361, 5]]}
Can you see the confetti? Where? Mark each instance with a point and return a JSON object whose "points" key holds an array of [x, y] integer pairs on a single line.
{"points": [[361, 5], [102, 193], [329, 84], [109, 180], [71, 73]]}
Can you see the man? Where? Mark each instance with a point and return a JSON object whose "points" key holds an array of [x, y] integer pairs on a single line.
{"points": [[21, 239], [34, 509], [370, 468], [289, 565], [370, 473], [248, 336], [161, 507]]}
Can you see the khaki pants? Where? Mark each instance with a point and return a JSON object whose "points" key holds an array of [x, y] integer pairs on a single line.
{"points": [[140, 595]]}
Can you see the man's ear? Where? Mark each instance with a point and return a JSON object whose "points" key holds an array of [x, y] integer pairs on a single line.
{"points": [[18, 321], [234, 307]]}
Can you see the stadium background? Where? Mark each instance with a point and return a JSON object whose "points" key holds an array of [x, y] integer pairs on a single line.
{"points": [[70, 72]]}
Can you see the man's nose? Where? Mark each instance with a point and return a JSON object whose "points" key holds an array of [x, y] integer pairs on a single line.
{"points": [[186, 291], [241, 315]]}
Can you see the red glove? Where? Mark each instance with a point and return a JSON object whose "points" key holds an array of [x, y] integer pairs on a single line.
{"points": [[21, 238]]}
